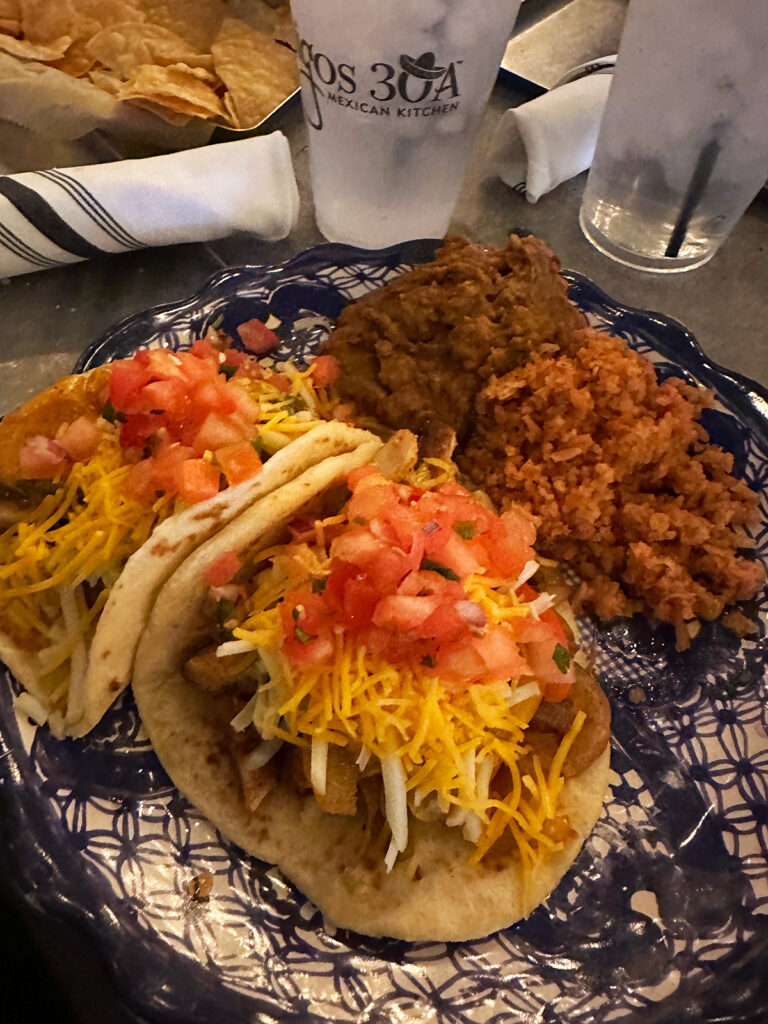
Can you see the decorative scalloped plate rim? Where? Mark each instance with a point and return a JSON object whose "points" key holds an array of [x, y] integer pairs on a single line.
{"points": [[44, 865]]}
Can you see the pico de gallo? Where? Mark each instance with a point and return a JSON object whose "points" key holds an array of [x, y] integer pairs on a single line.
{"points": [[404, 631], [161, 430]]}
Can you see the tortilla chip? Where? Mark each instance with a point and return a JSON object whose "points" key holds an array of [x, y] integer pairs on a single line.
{"points": [[229, 107], [176, 91], [116, 38], [127, 46], [200, 73], [42, 52], [258, 72], [162, 112], [91, 16], [197, 21], [264, 17], [105, 80], [76, 62], [44, 20]]}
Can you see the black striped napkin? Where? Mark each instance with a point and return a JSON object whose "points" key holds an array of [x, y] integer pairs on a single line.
{"points": [[52, 217]]}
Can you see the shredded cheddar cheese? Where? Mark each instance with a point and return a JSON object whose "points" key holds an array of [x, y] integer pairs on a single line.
{"points": [[58, 565], [449, 742]]}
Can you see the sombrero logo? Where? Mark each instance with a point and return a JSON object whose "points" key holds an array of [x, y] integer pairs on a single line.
{"points": [[422, 79], [419, 86]]}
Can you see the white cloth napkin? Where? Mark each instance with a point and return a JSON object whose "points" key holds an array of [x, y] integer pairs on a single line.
{"points": [[52, 217], [552, 138]]}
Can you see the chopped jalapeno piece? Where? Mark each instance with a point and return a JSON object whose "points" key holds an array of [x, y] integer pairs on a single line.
{"points": [[465, 529]]}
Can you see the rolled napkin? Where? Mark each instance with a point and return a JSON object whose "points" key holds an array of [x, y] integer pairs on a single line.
{"points": [[49, 218], [552, 138]]}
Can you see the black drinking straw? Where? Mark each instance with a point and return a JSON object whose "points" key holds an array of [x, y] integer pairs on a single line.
{"points": [[699, 179]]}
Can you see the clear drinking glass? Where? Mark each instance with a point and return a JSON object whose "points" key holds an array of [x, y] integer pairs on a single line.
{"points": [[392, 92], [683, 145]]}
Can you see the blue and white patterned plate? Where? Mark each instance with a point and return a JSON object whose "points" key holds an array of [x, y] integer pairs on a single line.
{"points": [[664, 915]]}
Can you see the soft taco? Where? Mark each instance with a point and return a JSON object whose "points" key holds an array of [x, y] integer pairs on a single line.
{"points": [[357, 680], [110, 478]]}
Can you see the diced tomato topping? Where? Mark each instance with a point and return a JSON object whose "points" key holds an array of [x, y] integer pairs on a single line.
{"points": [[396, 582], [126, 382], [554, 668], [196, 480], [405, 613], [223, 569], [138, 429], [500, 654], [280, 381], [325, 371], [360, 598], [203, 349], [165, 399], [257, 338], [170, 396], [239, 461], [215, 431], [356, 476]]}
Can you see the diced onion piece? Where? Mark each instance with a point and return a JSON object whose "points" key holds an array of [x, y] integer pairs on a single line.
{"points": [[363, 758], [318, 765], [457, 817], [521, 693], [271, 697], [265, 751], [393, 777], [234, 647], [244, 717], [30, 706], [471, 613], [542, 603], [473, 827], [528, 570]]}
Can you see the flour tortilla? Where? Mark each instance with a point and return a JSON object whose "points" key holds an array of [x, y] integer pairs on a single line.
{"points": [[111, 650], [129, 604], [326, 855]]}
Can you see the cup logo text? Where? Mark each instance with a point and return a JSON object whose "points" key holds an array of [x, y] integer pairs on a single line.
{"points": [[416, 87]]}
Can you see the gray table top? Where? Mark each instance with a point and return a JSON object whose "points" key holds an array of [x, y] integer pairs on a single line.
{"points": [[51, 316]]}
